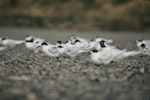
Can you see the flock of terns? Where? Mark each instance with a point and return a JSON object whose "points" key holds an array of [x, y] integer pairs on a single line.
{"points": [[101, 50]]}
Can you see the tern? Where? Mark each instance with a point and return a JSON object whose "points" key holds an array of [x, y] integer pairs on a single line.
{"points": [[33, 43], [50, 49], [10, 43], [108, 54], [70, 49], [62, 48]]}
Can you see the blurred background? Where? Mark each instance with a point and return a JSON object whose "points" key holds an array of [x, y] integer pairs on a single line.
{"points": [[113, 15]]}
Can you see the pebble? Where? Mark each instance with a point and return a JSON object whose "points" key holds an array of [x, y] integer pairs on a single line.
{"points": [[81, 76], [142, 70]]}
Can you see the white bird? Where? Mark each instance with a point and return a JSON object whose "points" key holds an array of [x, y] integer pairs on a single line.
{"points": [[108, 54], [33, 43], [29, 37], [58, 43], [69, 49], [72, 52], [79, 41], [91, 45], [97, 45], [82, 44], [36, 39], [69, 44], [29, 44], [62, 48], [50, 49], [144, 46], [10, 43], [87, 45]]}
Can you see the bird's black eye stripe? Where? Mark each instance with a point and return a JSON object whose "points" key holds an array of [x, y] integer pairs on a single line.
{"points": [[94, 50], [44, 43], [77, 41], [143, 45], [60, 46], [3, 38], [59, 42]]}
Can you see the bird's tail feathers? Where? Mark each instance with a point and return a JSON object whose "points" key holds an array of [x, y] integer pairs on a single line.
{"points": [[131, 53]]}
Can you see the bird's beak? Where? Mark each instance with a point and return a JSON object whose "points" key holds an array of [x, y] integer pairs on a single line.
{"points": [[109, 41]]}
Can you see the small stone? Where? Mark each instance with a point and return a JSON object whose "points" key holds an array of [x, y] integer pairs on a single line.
{"points": [[19, 78], [31, 96], [103, 79], [16, 91], [112, 76], [142, 70]]}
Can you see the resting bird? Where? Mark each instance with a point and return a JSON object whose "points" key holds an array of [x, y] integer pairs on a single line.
{"points": [[69, 49], [80, 43], [108, 54], [33, 43], [10, 43], [61, 47], [95, 43], [50, 49]]}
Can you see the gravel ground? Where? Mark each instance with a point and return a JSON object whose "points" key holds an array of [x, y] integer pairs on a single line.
{"points": [[28, 76]]}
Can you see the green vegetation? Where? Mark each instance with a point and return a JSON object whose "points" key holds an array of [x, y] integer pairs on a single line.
{"points": [[77, 14]]}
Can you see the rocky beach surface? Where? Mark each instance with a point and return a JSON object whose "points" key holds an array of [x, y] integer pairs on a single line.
{"points": [[25, 75]]}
